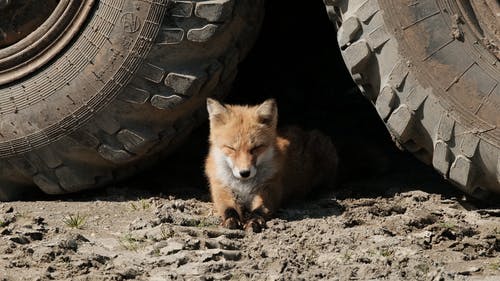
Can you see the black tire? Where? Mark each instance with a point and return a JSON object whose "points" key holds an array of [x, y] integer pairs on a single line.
{"points": [[432, 82], [128, 87]]}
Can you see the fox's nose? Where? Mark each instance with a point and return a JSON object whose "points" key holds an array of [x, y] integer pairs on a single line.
{"points": [[245, 173]]}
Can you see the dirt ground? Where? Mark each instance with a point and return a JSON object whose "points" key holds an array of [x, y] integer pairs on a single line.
{"points": [[406, 224], [392, 218]]}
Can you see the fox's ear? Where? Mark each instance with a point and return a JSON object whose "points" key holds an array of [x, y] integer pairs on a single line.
{"points": [[267, 113], [216, 111]]}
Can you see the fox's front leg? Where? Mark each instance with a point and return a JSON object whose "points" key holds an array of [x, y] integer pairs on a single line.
{"points": [[225, 205], [264, 204]]}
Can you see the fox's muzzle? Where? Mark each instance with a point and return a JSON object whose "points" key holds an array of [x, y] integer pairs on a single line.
{"points": [[244, 173]]}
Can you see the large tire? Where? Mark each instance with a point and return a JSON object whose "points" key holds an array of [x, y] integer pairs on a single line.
{"points": [[129, 83], [432, 81]]}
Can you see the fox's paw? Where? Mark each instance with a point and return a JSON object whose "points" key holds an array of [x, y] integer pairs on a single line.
{"points": [[255, 224], [231, 219], [231, 223]]}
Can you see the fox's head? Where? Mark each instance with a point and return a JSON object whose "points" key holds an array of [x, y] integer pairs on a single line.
{"points": [[243, 137]]}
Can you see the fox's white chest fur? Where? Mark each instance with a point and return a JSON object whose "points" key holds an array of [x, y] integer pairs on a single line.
{"points": [[245, 189]]}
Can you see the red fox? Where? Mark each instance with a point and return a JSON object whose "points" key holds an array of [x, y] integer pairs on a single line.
{"points": [[253, 168]]}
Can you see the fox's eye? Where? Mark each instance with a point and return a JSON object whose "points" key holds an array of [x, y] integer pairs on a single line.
{"points": [[229, 147], [256, 148]]}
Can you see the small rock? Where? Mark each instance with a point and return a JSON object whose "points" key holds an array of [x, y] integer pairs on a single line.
{"points": [[38, 220], [8, 250], [193, 244], [129, 273], [447, 233], [27, 226], [419, 196], [489, 212], [398, 209], [99, 258], [457, 246], [364, 260], [179, 205], [351, 222], [228, 244], [70, 242], [422, 219], [424, 239], [217, 254], [34, 235], [385, 211], [28, 250], [469, 270], [155, 222], [50, 269], [210, 255], [263, 254], [158, 245], [9, 210], [386, 231], [175, 259], [83, 264], [20, 239], [19, 263], [467, 231], [39, 228], [278, 225]]}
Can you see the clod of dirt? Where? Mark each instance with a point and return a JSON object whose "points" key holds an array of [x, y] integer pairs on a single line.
{"points": [[33, 235], [19, 239], [71, 242], [351, 222], [421, 219], [129, 273], [138, 223], [44, 254], [469, 270], [172, 246], [418, 196], [385, 211], [7, 219]]}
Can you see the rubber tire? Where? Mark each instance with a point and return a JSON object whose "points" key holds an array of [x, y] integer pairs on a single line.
{"points": [[128, 88], [415, 62]]}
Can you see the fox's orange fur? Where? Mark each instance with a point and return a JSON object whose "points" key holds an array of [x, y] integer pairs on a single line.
{"points": [[252, 168]]}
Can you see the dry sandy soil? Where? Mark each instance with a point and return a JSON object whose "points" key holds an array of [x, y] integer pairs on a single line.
{"points": [[404, 224]]}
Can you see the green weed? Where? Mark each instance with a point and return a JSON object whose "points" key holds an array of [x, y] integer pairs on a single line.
{"points": [[386, 253], [166, 233], [130, 243], [422, 267], [494, 265], [447, 225], [141, 205], [75, 221]]}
